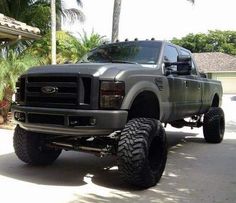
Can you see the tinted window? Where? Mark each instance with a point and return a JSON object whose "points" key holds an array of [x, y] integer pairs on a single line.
{"points": [[137, 52], [170, 54]]}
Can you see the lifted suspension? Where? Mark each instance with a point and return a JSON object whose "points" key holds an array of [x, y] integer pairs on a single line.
{"points": [[193, 122], [100, 146]]}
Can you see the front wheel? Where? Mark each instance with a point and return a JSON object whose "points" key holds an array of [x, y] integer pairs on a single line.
{"points": [[142, 152], [214, 125], [29, 148]]}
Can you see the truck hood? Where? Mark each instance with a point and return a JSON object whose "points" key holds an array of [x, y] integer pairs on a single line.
{"points": [[102, 70]]}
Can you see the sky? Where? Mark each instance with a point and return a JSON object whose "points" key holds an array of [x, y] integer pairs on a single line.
{"points": [[161, 19]]}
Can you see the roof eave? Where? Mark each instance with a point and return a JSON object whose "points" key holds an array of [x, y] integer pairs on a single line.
{"points": [[220, 71], [16, 32]]}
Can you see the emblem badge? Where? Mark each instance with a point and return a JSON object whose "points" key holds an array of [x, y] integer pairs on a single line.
{"points": [[49, 89]]}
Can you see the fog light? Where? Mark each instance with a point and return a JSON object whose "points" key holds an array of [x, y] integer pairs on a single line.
{"points": [[19, 116], [75, 121]]}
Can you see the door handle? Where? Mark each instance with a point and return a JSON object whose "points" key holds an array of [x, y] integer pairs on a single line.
{"points": [[199, 86], [186, 83]]}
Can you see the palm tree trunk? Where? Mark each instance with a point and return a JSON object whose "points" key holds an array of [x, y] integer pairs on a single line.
{"points": [[116, 19], [53, 33], [58, 23], [61, 4]]}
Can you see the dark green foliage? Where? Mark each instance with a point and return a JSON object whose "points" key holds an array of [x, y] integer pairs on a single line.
{"points": [[39, 15], [89, 42], [213, 41]]}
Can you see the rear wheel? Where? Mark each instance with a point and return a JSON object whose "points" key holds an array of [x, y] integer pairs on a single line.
{"points": [[142, 152], [30, 149], [214, 125]]}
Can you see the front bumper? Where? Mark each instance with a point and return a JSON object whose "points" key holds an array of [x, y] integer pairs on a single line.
{"points": [[58, 121]]}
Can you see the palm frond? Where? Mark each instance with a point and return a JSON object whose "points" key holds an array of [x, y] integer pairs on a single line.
{"points": [[192, 1], [73, 14]]}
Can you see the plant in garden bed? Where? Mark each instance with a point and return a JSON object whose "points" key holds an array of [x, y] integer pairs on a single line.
{"points": [[12, 65]]}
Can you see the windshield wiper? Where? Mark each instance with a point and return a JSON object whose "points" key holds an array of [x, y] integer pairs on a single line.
{"points": [[120, 61]]}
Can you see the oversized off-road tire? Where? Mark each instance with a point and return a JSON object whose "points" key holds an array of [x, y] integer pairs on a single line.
{"points": [[214, 125], [142, 152], [29, 148]]}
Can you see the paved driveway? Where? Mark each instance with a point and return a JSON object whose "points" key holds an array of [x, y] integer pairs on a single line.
{"points": [[195, 172]]}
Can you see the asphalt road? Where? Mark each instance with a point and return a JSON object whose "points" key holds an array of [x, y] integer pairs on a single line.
{"points": [[195, 172]]}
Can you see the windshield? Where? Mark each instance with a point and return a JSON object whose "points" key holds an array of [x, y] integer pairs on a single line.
{"points": [[141, 52]]}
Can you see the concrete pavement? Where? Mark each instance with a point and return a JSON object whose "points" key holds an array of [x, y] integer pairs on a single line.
{"points": [[195, 172]]}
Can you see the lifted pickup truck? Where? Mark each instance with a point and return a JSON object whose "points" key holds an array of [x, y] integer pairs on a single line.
{"points": [[114, 102]]}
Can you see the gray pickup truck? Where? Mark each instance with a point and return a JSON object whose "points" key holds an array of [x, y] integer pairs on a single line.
{"points": [[115, 102]]}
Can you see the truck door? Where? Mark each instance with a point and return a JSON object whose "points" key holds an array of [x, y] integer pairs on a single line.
{"points": [[177, 85], [193, 87]]}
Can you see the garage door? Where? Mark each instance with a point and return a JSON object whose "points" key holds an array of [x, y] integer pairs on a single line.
{"points": [[229, 84]]}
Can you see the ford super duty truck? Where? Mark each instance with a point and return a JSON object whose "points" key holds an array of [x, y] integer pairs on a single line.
{"points": [[115, 101]]}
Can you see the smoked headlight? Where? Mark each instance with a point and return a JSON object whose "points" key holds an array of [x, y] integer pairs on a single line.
{"points": [[111, 94], [20, 90]]}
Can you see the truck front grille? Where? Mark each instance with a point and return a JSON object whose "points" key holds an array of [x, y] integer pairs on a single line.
{"points": [[56, 91]]}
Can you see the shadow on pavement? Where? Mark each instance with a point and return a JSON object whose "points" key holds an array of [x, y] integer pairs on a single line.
{"points": [[71, 168], [188, 173], [184, 162], [174, 138]]}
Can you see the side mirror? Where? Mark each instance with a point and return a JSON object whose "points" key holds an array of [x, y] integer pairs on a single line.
{"points": [[184, 65]]}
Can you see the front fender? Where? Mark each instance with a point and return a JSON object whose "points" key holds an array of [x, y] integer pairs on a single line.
{"points": [[136, 90]]}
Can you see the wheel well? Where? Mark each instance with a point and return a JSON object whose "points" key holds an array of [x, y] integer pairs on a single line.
{"points": [[145, 105], [215, 102]]}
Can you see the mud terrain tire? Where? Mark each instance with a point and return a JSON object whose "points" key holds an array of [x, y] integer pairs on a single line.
{"points": [[214, 125], [142, 152], [28, 148]]}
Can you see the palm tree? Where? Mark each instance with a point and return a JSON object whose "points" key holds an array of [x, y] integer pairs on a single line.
{"points": [[69, 48], [116, 19], [53, 32], [89, 42], [39, 13]]}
